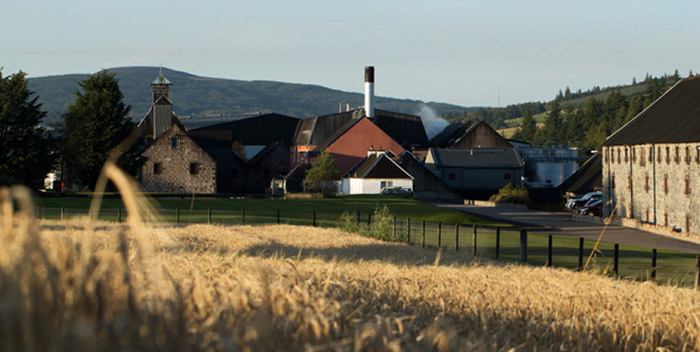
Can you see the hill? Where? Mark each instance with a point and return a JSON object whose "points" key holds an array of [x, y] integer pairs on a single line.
{"points": [[204, 96]]}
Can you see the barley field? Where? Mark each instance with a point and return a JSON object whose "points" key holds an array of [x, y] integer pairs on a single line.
{"points": [[82, 285]]}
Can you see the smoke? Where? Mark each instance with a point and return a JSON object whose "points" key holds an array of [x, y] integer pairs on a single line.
{"points": [[432, 123]]}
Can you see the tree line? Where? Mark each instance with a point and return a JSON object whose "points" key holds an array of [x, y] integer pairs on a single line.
{"points": [[587, 127], [77, 148]]}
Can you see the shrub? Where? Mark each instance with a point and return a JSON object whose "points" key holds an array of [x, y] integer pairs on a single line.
{"points": [[511, 194]]}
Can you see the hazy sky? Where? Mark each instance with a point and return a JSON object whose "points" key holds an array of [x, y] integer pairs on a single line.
{"points": [[450, 51]]}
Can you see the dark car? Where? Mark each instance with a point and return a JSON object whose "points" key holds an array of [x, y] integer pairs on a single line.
{"points": [[576, 203], [593, 207]]}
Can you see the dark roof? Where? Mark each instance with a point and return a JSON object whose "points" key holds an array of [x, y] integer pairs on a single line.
{"points": [[252, 130], [588, 178], [673, 118], [199, 122], [475, 158], [447, 137], [145, 126], [299, 172], [377, 166], [405, 129]]}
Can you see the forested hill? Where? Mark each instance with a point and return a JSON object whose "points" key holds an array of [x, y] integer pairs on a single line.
{"points": [[202, 96]]}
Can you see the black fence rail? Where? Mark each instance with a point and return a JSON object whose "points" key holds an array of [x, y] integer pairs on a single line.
{"points": [[509, 244]]}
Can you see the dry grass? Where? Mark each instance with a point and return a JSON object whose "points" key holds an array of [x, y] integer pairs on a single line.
{"points": [[84, 285]]}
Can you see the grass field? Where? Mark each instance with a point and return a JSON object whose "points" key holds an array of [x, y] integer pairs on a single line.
{"points": [[259, 211], [74, 285]]}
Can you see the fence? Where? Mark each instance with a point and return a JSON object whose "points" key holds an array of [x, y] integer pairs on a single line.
{"points": [[508, 244]]}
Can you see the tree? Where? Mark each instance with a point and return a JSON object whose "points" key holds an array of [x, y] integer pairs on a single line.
{"points": [[322, 175], [26, 152], [95, 124], [528, 128], [553, 124]]}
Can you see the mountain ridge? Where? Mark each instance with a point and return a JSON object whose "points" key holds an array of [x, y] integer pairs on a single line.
{"points": [[195, 95]]}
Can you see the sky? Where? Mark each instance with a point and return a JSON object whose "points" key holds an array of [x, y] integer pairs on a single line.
{"points": [[459, 52]]}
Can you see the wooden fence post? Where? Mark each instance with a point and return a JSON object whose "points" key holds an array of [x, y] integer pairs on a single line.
{"points": [[439, 234], [549, 251], [278, 216], [408, 230], [498, 241], [474, 241], [63, 213], [422, 239], [653, 264], [242, 216], [580, 253], [523, 246], [697, 272], [177, 215], [314, 219], [616, 259], [393, 233], [457, 237], [209, 215]]}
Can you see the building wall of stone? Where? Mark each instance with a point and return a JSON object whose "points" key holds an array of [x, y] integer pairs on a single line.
{"points": [[664, 180], [175, 176], [256, 177]]}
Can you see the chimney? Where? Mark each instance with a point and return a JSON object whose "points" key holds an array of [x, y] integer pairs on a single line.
{"points": [[369, 91]]}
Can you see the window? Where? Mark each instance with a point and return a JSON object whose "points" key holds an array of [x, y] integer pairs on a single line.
{"points": [[451, 176], [634, 154], [697, 156], [626, 155], [646, 184], [612, 155], [606, 154], [687, 155], [194, 168], [668, 155], [157, 168], [687, 186], [175, 142], [619, 159], [386, 184], [677, 159], [651, 154], [507, 176], [658, 155], [665, 219], [666, 184], [642, 157], [612, 180]]}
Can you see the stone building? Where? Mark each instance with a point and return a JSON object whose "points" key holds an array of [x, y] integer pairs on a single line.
{"points": [[175, 163], [651, 166]]}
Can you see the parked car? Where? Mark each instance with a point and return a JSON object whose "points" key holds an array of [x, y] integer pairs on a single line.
{"points": [[578, 202], [396, 190], [593, 207]]}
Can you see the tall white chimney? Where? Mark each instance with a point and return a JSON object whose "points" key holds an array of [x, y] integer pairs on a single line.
{"points": [[369, 91]]}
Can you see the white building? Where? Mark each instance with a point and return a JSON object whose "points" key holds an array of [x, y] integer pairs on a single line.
{"points": [[374, 173]]}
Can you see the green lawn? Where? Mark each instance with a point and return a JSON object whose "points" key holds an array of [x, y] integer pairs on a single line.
{"points": [[258, 211]]}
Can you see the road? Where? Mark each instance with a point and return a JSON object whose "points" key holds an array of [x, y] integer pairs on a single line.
{"points": [[561, 224]]}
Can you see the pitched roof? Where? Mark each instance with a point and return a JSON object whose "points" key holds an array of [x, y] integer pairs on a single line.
{"points": [[377, 166], [337, 134], [477, 158], [588, 178], [673, 118], [405, 129], [453, 131], [250, 130]]}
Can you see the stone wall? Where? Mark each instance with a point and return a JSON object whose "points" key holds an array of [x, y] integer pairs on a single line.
{"points": [[175, 160], [654, 183]]}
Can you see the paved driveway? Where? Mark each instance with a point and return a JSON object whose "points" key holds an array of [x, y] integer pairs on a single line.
{"points": [[562, 224]]}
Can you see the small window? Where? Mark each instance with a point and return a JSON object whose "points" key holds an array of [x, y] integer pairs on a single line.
{"points": [[634, 154], [194, 168], [666, 184], [658, 155], [175, 142], [651, 154], [451, 176], [619, 159], [687, 186], [687, 155], [646, 184], [629, 182], [157, 168], [668, 155], [612, 180], [386, 184], [606, 154], [677, 159], [642, 157], [507, 176], [626, 155], [612, 155], [665, 219]]}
